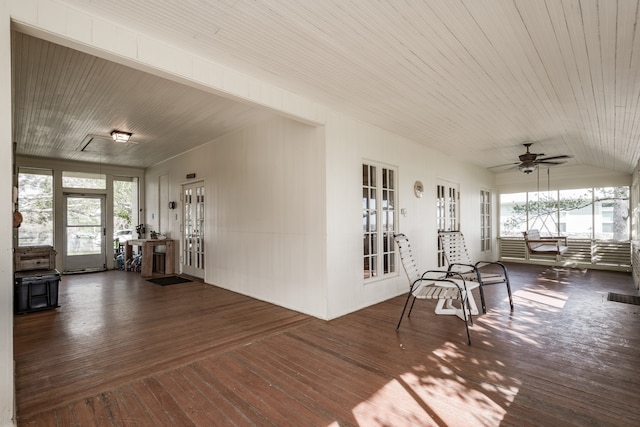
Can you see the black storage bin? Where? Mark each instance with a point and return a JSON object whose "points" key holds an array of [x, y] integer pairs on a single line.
{"points": [[35, 290]]}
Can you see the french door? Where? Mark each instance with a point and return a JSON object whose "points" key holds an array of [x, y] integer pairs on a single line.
{"points": [[84, 237], [447, 211], [193, 230]]}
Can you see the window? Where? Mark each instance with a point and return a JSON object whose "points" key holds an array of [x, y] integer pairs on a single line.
{"points": [[513, 214], [542, 210], [587, 213], [35, 203], [84, 180], [125, 208], [576, 213], [611, 213], [485, 220], [378, 219]]}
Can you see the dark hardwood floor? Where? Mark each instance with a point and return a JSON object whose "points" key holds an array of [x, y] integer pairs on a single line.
{"points": [[122, 351]]}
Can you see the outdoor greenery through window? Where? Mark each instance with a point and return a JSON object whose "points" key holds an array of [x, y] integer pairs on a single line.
{"points": [[84, 180], [589, 213], [125, 195], [35, 203]]}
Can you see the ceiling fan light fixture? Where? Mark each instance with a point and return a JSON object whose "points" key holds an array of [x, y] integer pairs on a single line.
{"points": [[528, 168], [120, 136]]}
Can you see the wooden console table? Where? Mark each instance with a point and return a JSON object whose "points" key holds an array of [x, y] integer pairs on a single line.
{"points": [[147, 246]]}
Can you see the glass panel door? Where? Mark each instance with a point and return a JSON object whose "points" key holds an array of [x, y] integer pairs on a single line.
{"points": [[193, 230], [447, 204], [84, 242]]}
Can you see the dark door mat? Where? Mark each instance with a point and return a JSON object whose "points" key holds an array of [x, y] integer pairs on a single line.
{"points": [[169, 280], [627, 299]]}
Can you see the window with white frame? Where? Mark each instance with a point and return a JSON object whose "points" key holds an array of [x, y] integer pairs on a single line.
{"points": [[379, 183], [584, 213], [35, 203], [485, 220], [447, 207]]}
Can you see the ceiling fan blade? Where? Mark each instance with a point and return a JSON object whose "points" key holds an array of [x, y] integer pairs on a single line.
{"points": [[545, 162], [501, 166], [563, 156]]}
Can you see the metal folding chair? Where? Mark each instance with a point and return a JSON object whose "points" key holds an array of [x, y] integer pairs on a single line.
{"points": [[458, 260], [443, 286]]}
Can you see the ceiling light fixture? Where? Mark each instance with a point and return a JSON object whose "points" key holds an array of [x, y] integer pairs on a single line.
{"points": [[119, 136], [528, 168]]}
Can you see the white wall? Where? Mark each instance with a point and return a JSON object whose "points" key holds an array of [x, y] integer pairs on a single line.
{"points": [[6, 252], [265, 197], [284, 227], [349, 142]]}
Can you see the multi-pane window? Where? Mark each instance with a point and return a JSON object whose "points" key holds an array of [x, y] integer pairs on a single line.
{"points": [[379, 185], [587, 213], [35, 203], [485, 220]]}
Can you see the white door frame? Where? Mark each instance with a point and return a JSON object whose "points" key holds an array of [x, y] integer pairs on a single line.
{"points": [[88, 240], [192, 244]]}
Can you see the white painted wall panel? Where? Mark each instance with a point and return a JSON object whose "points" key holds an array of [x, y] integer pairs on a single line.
{"points": [[265, 231], [349, 142], [6, 247]]}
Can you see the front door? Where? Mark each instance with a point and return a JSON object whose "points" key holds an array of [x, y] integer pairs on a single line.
{"points": [[193, 230], [84, 237]]}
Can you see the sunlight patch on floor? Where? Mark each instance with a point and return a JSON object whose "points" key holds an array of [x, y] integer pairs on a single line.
{"points": [[555, 301], [393, 405], [448, 401], [435, 393]]}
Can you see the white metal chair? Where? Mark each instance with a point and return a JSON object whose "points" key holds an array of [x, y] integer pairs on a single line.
{"points": [[457, 257], [433, 284]]}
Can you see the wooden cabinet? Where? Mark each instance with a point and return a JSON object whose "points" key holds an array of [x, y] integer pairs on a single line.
{"points": [[148, 246]]}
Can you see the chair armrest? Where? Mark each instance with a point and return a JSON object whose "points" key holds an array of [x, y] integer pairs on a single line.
{"points": [[444, 276], [480, 264], [460, 264]]}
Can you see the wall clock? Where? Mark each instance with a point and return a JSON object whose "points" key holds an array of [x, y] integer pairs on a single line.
{"points": [[418, 189]]}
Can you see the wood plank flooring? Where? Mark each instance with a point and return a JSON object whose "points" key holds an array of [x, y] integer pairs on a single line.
{"points": [[124, 352]]}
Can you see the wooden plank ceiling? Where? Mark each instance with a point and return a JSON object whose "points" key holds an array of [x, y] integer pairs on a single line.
{"points": [[472, 78]]}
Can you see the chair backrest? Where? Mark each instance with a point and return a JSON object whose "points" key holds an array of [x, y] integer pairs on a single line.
{"points": [[532, 235], [408, 262], [454, 248]]}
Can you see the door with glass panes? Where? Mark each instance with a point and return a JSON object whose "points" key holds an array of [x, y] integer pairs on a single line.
{"points": [[447, 218], [193, 229], [84, 237]]}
